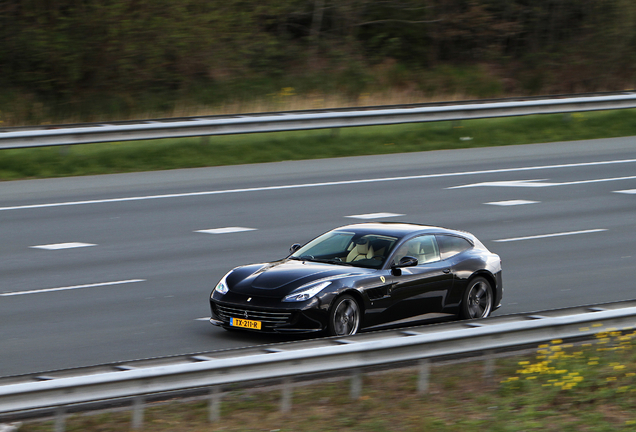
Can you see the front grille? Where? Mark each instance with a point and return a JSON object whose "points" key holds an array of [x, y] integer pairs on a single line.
{"points": [[268, 318]]}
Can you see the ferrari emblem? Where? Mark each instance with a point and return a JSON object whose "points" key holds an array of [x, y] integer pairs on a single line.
{"points": [[246, 316], [382, 279]]}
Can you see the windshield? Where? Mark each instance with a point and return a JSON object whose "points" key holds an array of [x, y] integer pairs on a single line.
{"points": [[348, 248]]}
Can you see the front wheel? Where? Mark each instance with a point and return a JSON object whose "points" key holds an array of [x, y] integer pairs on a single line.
{"points": [[477, 300], [344, 317]]}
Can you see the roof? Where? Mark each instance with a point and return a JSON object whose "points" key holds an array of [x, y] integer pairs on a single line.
{"points": [[399, 229]]}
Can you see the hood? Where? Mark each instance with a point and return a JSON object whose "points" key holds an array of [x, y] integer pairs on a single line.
{"points": [[280, 278]]}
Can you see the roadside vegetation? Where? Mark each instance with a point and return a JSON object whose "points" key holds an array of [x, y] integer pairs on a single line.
{"points": [[108, 158], [76, 61], [561, 387], [70, 61]]}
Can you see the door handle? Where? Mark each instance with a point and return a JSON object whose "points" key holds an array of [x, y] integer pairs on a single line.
{"points": [[447, 271]]}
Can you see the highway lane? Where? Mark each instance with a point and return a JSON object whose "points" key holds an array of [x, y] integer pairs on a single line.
{"points": [[164, 268]]}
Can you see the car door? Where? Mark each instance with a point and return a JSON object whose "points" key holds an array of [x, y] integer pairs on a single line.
{"points": [[422, 288]]}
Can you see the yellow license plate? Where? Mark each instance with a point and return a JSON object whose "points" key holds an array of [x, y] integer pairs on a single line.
{"points": [[238, 322]]}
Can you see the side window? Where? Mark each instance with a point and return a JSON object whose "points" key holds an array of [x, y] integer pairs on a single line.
{"points": [[450, 246], [424, 248]]}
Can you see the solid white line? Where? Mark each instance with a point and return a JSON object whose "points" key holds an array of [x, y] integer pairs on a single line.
{"points": [[512, 203], [58, 246], [550, 235], [374, 215], [15, 293], [308, 185]]}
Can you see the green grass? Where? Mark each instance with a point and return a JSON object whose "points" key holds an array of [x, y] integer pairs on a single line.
{"points": [[315, 144], [559, 388]]}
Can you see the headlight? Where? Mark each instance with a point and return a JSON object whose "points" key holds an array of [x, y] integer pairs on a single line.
{"points": [[221, 287], [306, 293]]}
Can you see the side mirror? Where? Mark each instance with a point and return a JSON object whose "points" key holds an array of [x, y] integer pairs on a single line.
{"points": [[407, 261], [294, 248]]}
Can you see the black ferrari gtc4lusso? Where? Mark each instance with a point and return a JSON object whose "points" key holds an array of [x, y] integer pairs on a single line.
{"points": [[359, 276]]}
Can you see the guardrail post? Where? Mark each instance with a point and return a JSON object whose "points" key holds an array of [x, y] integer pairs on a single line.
{"points": [[286, 396], [214, 408], [424, 372], [60, 419], [356, 384], [489, 364], [138, 413]]}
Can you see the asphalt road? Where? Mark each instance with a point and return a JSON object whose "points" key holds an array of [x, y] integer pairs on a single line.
{"points": [[137, 282]]}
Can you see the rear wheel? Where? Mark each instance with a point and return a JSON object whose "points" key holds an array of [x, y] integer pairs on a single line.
{"points": [[344, 317], [477, 300]]}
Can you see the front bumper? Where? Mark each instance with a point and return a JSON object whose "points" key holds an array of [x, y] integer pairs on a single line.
{"points": [[273, 319]]}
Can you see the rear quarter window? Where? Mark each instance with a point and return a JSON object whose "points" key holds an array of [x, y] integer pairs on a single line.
{"points": [[450, 246]]}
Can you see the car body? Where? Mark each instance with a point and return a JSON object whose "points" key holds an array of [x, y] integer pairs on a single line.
{"points": [[359, 276]]}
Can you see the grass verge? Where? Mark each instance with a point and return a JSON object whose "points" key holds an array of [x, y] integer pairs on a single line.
{"points": [[153, 155], [560, 388]]}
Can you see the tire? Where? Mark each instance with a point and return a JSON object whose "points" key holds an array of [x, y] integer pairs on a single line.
{"points": [[344, 317], [477, 300]]}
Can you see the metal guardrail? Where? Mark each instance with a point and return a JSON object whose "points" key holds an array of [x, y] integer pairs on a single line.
{"points": [[278, 122], [323, 355]]}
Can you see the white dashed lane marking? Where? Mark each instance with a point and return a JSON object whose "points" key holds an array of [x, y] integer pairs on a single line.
{"points": [[225, 230], [374, 215], [512, 203], [312, 185], [94, 285], [627, 191], [539, 183], [549, 235], [57, 246]]}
